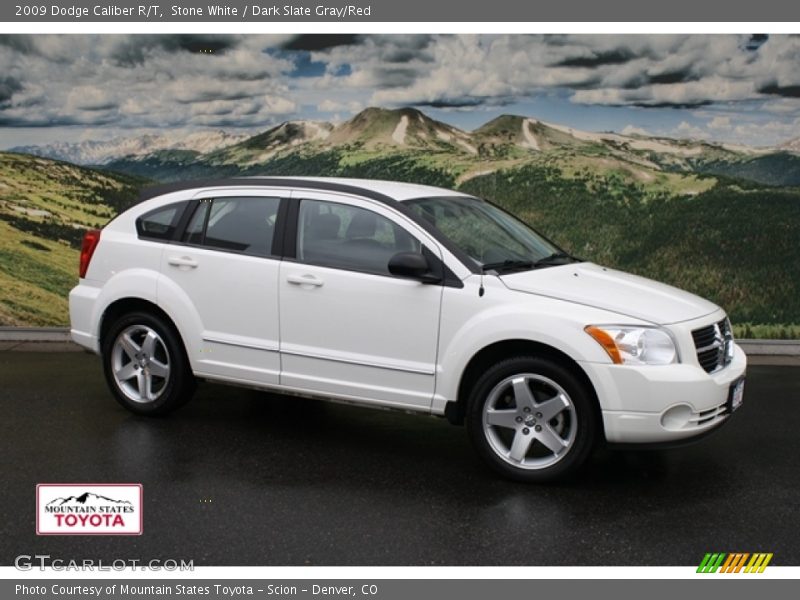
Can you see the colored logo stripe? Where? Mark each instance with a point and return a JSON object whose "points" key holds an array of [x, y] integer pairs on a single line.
{"points": [[711, 562], [759, 562], [734, 562]]}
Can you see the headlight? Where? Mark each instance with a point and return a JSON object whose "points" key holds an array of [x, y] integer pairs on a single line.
{"points": [[730, 348], [635, 345]]}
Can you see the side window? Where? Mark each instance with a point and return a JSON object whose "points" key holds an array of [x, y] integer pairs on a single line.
{"points": [[160, 224], [349, 237], [244, 225], [193, 234]]}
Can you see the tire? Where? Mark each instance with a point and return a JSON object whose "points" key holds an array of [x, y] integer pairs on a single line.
{"points": [[542, 435], [145, 365]]}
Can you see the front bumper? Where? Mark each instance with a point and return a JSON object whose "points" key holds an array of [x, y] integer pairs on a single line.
{"points": [[662, 404]]}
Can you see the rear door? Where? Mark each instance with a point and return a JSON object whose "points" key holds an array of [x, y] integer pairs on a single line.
{"points": [[225, 268]]}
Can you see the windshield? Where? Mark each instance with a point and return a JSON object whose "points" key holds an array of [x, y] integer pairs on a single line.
{"points": [[490, 236]]}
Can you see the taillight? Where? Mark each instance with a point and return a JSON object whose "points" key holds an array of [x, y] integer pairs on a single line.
{"points": [[90, 240]]}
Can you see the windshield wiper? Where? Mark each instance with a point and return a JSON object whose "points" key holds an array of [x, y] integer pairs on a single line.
{"points": [[556, 258], [508, 264]]}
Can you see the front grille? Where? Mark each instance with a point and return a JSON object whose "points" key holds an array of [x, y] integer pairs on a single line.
{"points": [[714, 344]]}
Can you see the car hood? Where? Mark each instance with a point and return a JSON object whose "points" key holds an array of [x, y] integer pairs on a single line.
{"points": [[600, 287]]}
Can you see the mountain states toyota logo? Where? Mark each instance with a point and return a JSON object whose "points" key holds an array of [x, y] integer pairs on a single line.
{"points": [[89, 509]]}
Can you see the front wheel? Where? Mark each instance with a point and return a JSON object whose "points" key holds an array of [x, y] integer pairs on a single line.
{"points": [[531, 419], [145, 365]]}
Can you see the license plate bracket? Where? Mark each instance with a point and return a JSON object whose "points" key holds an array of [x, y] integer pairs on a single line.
{"points": [[735, 395]]}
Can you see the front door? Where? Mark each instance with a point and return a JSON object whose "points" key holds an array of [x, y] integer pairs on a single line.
{"points": [[348, 327]]}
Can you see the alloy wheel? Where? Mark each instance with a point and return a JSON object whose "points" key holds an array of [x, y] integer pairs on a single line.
{"points": [[529, 421], [140, 364]]}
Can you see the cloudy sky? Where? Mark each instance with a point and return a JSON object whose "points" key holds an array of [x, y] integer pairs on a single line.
{"points": [[733, 88]]}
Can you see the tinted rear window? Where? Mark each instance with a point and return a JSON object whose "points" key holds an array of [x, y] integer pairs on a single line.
{"points": [[161, 223]]}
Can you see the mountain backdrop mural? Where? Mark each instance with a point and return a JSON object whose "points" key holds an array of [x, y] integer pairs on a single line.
{"points": [[687, 200]]}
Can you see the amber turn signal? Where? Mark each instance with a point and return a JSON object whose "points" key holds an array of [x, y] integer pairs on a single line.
{"points": [[606, 341]]}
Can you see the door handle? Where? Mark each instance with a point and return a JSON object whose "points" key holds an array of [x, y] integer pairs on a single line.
{"points": [[182, 261], [307, 279]]}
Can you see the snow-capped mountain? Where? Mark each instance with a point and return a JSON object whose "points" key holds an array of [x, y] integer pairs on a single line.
{"points": [[95, 152], [288, 134], [308, 147], [791, 146], [86, 499]]}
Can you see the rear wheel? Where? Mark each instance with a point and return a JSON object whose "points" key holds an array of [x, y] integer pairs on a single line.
{"points": [[531, 419], [145, 365]]}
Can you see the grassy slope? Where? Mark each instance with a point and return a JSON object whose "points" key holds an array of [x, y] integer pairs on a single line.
{"points": [[736, 246], [45, 206]]}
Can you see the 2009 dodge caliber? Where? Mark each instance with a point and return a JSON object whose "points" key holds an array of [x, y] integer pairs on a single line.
{"points": [[401, 296]]}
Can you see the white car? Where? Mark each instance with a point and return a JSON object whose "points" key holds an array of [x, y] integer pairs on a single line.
{"points": [[399, 296]]}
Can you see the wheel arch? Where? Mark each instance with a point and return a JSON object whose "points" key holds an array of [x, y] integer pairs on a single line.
{"points": [[179, 382], [123, 306], [455, 410]]}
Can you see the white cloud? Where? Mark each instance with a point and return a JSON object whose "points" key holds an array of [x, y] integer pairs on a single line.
{"points": [[752, 131], [770, 132], [679, 70], [719, 124], [334, 106], [159, 81], [782, 106], [687, 130], [142, 81], [691, 93]]}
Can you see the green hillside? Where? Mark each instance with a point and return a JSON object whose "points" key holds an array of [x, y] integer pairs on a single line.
{"points": [[734, 245], [45, 206], [678, 211], [778, 169]]}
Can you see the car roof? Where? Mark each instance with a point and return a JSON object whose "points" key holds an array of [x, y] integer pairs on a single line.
{"points": [[394, 190]]}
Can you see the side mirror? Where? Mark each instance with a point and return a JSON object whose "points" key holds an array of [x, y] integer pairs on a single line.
{"points": [[412, 265]]}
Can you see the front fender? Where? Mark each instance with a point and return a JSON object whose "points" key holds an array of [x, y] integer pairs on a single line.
{"points": [[475, 322]]}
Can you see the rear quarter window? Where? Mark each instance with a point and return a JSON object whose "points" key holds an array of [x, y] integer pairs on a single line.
{"points": [[160, 223]]}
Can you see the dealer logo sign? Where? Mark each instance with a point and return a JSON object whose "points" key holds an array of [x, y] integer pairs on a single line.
{"points": [[89, 509]]}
